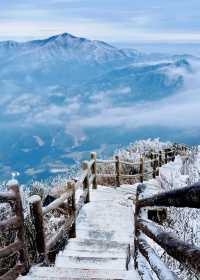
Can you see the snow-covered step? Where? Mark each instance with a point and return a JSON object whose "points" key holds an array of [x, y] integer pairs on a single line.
{"points": [[114, 192], [91, 262], [93, 244], [51, 273], [94, 253], [101, 249], [103, 195], [102, 235]]}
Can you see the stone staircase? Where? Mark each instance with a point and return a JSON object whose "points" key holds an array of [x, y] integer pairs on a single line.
{"points": [[101, 249], [93, 254]]}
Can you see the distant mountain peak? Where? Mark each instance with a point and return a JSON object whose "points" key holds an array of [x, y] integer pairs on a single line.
{"points": [[64, 48], [61, 36]]}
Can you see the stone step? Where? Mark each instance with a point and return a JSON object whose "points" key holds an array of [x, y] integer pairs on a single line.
{"points": [[52, 273], [122, 191], [94, 244], [102, 196], [101, 235], [91, 263], [94, 253]]}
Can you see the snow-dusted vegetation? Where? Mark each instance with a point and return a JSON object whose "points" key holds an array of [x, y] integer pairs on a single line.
{"points": [[54, 187], [178, 174], [132, 153], [183, 222]]}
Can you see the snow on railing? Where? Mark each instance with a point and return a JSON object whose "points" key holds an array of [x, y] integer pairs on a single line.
{"points": [[148, 164], [66, 205], [185, 253], [14, 223]]}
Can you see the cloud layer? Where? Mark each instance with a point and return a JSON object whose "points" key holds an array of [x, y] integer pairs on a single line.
{"points": [[113, 21], [178, 111]]}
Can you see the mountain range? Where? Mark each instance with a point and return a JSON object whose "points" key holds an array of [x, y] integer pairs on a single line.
{"points": [[52, 90]]}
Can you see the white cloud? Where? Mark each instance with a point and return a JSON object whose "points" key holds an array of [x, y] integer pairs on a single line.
{"points": [[180, 111], [141, 20], [86, 27], [39, 140]]}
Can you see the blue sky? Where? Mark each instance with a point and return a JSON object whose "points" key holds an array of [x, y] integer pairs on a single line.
{"points": [[125, 21]]}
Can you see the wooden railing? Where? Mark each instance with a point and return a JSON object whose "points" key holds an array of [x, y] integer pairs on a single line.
{"points": [[154, 159], [185, 253], [67, 206], [15, 223]]}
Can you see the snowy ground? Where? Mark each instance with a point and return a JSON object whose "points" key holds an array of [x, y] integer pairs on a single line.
{"points": [[104, 231], [105, 226]]}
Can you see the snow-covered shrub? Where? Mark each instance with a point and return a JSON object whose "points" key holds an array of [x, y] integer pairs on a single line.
{"points": [[131, 154], [182, 221], [53, 220]]}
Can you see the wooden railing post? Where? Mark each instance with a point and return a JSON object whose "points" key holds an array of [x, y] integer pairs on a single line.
{"points": [[157, 165], [166, 156], [176, 147], [86, 182], [154, 166], [94, 170], [170, 154], [37, 216], [137, 209], [174, 155], [137, 216], [177, 150], [23, 257], [160, 158], [142, 169], [151, 157], [72, 207], [117, 171]]}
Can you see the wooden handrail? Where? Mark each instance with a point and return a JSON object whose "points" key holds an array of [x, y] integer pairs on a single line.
{"points": [[117, 171], [90, 163], [13, 273], [13, 247], [38, 212], [56, 203], [157, 159], [88, 177], [15, 222], [66, 204], [157, 265], [50, 245], [81, 202], [130, 176], [106, 175], [129, 163], [37, 217], [141, 169], [11, 223], [19, 211], [105, 161], [93, 156], [185, 253], [86, 182], [7, 196], [183, 197], [84, 175]]}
